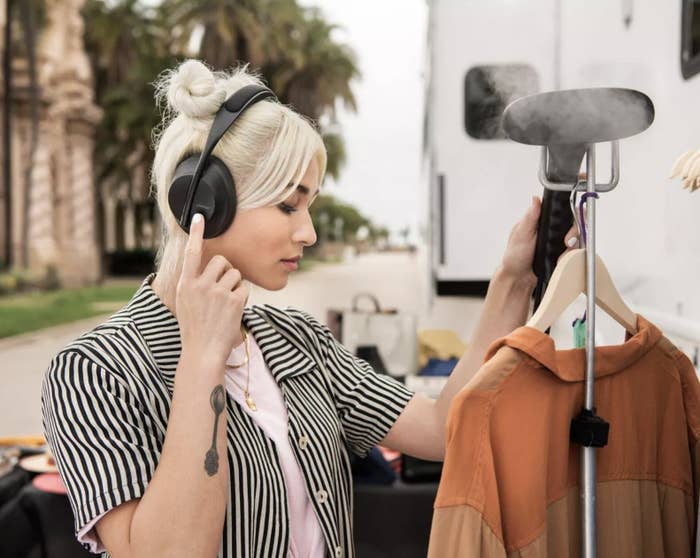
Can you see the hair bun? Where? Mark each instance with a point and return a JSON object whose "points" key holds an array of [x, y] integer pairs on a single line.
{"points": [[193, 90]]}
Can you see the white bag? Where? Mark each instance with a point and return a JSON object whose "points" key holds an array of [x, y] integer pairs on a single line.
{"points": [[393, 333]]}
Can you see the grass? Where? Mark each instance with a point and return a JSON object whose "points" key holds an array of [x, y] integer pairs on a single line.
{"points": [[26, 312]]}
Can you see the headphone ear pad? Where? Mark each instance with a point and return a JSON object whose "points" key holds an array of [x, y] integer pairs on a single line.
{"points": [[215, 197]]}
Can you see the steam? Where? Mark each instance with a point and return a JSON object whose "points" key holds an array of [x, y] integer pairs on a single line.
{"points": [[578, 116]]}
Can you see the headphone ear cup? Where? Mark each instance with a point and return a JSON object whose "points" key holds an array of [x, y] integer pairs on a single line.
{"points": [[215, 196]]}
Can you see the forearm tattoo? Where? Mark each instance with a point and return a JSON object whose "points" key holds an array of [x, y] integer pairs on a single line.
{"points": [[218, 403]]}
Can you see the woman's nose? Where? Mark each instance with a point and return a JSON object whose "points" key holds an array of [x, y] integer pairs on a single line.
{"points": [[305, 232]]}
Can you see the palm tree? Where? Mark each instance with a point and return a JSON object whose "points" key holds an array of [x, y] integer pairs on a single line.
{"points": [[128, 45], [324, 75], [126, 58], [335, 148], [231, 29]]}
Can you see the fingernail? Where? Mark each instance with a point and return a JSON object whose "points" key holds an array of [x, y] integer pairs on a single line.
{"points": [[197, 218], [572, 242]]}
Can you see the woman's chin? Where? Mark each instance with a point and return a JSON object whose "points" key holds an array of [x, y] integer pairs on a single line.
{"points": [[273, 284]]}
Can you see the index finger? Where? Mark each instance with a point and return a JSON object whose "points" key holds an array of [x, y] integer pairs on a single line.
{"points": [[193, 249]]}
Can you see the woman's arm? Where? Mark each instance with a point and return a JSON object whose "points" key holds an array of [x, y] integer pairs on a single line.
{"points": [[182, 511], [505, 308], [183, 508], [420, 430]]}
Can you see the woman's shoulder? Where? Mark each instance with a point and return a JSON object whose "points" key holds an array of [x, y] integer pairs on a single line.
{"points": [[95, 348]]}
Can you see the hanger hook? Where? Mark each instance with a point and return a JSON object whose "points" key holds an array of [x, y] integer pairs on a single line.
{"points": [[581, 205]]}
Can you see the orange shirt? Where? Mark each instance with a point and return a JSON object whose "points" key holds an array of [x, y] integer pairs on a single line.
{"points": [[509, 481]]}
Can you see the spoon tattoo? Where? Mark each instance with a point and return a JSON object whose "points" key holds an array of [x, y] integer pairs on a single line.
{"points": [[217, 400]]}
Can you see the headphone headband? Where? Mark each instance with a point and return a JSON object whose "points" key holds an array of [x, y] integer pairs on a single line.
{"points": [[227, 114]]}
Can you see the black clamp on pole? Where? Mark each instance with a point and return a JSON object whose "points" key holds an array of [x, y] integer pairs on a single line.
{"points": [[589, 430]]}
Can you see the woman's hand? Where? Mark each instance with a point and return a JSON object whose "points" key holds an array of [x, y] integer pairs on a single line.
{"points": [[520, 250], [209, 304]]}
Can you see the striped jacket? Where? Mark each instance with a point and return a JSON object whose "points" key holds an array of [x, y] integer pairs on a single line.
{"points": [[106, 399]]}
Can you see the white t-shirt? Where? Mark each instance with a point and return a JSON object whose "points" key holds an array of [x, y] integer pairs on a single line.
{"points": [[306, 537]]}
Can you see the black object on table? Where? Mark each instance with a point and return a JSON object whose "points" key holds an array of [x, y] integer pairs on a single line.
{"points": [[415, 470], [393, 521], [34, 523]]}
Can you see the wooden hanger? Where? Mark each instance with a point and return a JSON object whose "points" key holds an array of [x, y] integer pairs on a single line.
{"points": [[568, 281]]}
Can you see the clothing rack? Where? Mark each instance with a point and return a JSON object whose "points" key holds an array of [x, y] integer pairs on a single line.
{"points": [[587, 423], [568, 125]]}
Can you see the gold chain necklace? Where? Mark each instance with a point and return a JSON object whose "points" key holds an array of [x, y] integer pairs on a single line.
{"points": [[246, 392], [244, 334]]}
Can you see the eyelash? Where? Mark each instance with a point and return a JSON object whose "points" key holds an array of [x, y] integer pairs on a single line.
{"points": [[288, 209]]}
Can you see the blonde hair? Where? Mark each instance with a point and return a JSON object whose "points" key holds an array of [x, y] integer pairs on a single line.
{"points": [[267, 150]]}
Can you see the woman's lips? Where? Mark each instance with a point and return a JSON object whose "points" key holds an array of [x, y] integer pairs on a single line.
{"points": [[291, 265]]}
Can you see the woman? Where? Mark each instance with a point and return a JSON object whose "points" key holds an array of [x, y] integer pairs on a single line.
{"points": [[189, 424]]}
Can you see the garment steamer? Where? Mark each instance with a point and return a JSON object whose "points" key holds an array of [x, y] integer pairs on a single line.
{"points": [[568, 125]]}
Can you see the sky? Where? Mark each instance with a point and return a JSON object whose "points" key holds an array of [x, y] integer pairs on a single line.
{"points": [[382, 176]]}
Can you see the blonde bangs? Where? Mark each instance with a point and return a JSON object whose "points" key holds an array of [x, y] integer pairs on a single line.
{"points": [[280, 170]]}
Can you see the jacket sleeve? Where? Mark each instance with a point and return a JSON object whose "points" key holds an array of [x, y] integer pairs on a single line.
{"points": [[691, 402], [368, 403], [103, 441]]}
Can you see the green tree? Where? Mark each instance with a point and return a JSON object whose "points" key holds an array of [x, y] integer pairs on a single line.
{"points": [[324, 75], [379, 233], [327, 209], [232, 30], [335, 149]]}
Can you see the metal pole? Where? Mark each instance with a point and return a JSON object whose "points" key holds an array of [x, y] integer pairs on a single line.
{"points": [[588, 469]]}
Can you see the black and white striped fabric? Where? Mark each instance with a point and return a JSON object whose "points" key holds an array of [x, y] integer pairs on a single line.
{"points": [[106, 399]]}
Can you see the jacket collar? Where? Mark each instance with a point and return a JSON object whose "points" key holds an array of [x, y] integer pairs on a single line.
{"points": [[278, 337], [570, 364]]}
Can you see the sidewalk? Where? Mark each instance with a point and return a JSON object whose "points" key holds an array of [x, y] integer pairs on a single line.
{"points": [[24, 359]]}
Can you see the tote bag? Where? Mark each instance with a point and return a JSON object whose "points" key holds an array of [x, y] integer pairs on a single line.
{"points": [[392, 332]]}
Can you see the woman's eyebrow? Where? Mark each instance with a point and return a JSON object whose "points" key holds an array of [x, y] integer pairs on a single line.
{"points": [[306, 190]]}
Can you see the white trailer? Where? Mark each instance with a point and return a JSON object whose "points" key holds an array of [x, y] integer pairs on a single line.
{"points": [[483, 54]]}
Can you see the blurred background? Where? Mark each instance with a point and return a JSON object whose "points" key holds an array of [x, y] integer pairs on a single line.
{"points": [[423, 186]]}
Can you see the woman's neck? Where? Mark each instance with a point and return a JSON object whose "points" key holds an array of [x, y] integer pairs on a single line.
{"points": [[165, 289]]}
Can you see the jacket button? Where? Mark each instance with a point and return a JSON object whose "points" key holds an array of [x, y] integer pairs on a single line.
{"points": [[303, 442], [338, 552], [322, 496]]}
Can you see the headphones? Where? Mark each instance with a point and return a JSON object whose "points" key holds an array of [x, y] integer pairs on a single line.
{"points": [[203, 183]]}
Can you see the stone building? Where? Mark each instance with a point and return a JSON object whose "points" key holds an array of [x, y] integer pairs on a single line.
{"points": [[62, 223]]}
